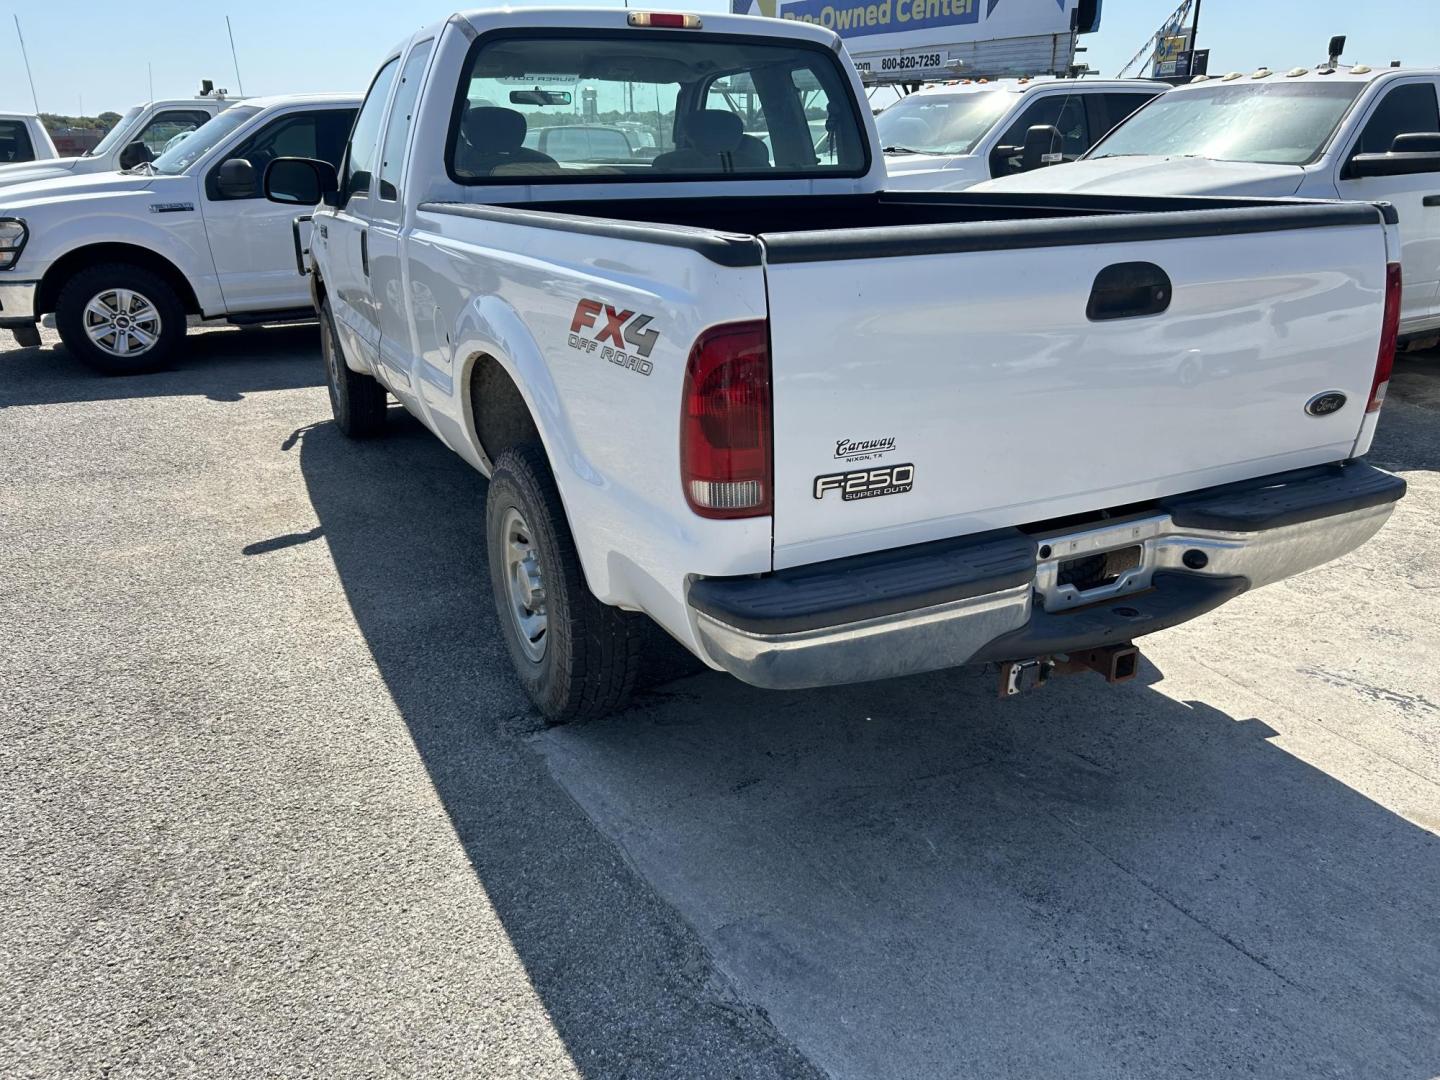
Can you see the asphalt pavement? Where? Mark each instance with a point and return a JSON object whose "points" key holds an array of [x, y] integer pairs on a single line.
{"points": [[272, 805]]}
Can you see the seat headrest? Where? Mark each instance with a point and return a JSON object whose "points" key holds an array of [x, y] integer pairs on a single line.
{"points": [[494, 130], [714, 131]]}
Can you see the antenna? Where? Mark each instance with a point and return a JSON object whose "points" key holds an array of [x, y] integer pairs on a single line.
{"points": [[150, 71], [26, 56], [238, 81]]}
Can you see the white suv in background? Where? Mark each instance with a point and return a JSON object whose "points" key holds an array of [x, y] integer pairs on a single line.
{"points": [[948, 136]]}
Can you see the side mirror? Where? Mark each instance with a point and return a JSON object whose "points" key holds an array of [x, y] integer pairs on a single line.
{"points": [[136, 153], [1005, 160], [296, 181], [1042, 147], [1417, 142], [236, 179], [1418, 152]]}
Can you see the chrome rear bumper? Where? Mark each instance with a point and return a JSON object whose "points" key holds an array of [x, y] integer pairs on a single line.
{"points": [[1181, 571]]}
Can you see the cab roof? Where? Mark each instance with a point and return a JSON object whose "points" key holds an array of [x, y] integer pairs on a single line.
{"points": [[350, 98], [1345, 73], [479, 20], [1020, 86]]}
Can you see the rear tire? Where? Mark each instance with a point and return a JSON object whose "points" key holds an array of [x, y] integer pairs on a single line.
{"points": [[357, 401], [576, 657], [120, 319]]}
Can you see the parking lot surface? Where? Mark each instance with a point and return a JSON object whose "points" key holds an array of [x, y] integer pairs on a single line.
{"points": [[272, 805]]}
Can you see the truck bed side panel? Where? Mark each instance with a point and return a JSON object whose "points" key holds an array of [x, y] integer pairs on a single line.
{"points": [[547, 304]]}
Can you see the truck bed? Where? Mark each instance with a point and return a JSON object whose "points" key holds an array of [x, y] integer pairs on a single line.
{"points": [[1025, 357]]}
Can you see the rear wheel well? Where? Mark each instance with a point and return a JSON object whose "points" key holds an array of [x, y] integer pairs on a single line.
{"points": [[497, 410], [68, 264]]}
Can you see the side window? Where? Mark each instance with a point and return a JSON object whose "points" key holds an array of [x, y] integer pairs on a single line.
{"points": [[166, 126], [1112, 110], [319, 134], [1403, 110], [15, 142], [1065, 112], [360, 160], [402, 114]]}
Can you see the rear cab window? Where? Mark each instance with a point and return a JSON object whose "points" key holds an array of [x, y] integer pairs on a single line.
{"points": [[652, 106]]}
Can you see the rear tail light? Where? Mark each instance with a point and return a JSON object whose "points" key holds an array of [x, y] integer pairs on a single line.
{"points": [[726, 464], [1389, 338]]}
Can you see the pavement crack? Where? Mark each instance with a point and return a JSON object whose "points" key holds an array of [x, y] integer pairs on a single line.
{"points": [[1176, 905]]}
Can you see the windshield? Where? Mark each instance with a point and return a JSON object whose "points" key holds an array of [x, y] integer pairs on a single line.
{"points": [[1263, 123], [113, 135], [941, 123], [180, 156], [648, 107]]}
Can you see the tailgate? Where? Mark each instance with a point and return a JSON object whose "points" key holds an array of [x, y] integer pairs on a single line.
{"points": [[936, 381]]}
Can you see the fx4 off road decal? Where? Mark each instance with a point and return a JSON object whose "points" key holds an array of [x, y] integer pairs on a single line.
{"points": [[630, 339], [867, 483]]}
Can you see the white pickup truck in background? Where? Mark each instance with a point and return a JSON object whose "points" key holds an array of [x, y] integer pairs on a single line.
{"points": [[1334, 132], [817, 431], [140, 135], [948, 136], [123, 259], [23, 138]]}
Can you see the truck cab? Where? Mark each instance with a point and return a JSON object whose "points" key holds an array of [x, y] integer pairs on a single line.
{"points": [[948, 136], [140, 135], [124, 259], [1334, 132], [23, 138]]}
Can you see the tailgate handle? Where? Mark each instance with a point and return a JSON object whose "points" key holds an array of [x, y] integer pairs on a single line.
{"points": [[1129, 291]]}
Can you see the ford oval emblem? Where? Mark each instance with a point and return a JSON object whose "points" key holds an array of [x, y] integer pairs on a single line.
{"points": [[1332, 401]]}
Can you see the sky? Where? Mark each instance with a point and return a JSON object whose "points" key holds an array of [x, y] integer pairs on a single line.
{"points": [[88, 60]]}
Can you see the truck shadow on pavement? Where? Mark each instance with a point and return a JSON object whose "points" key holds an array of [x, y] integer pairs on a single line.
{"points": [[905, 879], [222, 364]]}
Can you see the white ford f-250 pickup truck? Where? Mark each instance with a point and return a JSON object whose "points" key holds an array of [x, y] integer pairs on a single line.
{"points": [[817, 432], [140, 135], [1335, 132], [123, 259]]}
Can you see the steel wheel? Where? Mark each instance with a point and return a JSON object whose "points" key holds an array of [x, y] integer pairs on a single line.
{"points": [[122, 323], [526, 585]]}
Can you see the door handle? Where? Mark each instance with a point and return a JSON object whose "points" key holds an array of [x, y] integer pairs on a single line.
{"points": [[1129, 291], [1432, 200], [365, 251]]}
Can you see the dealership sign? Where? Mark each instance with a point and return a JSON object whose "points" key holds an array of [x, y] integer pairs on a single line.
{"points": [[932, 37]]}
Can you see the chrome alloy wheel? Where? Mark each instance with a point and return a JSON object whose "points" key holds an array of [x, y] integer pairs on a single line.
{"points": [[122, 322], [526, 584]]}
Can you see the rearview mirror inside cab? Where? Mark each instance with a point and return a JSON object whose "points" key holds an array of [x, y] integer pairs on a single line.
{"points": [[540, 97], [297, 181]]}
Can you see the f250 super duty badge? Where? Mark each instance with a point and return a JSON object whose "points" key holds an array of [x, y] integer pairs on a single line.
{"points": [[631, 340], [867, 483]]}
